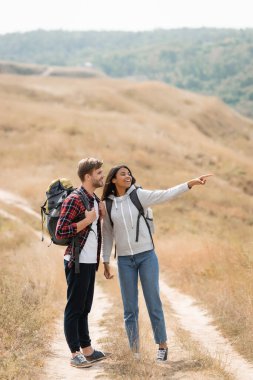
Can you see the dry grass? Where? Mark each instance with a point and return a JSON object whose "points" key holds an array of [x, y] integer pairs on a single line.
{"points": [[218, 274], [31, 292], [166, 136], [200, 360]]}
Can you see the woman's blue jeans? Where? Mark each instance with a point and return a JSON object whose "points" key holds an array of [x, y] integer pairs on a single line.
{"points": [[145, 265]]}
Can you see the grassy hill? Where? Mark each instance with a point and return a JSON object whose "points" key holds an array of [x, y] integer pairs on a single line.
{"points": [[43, 70], [209, 61], [167, 136]]}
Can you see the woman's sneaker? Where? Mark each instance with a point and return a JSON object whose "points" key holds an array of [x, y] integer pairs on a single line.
{"points": [[162, 354], [96, 356], [79, 361]]}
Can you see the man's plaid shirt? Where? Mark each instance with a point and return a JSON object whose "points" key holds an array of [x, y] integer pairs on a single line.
{"points": [[73, 209]]}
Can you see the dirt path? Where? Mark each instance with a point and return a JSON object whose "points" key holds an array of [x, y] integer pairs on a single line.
{"points": [[57, 364], [191, 317], [15, 200], [200, 325], [6, 214]]}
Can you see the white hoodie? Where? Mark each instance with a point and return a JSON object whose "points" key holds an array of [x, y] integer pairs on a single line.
{"points": [[124, 216]]}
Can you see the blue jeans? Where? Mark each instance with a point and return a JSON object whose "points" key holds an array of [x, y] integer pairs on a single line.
{"points": [[146, 265]]}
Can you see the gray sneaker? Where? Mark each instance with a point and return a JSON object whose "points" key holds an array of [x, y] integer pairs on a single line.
{"points": [[96, 356], [79, 361]]}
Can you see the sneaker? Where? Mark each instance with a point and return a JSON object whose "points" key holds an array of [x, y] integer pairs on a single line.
{"points": [[96, 356], [162, 354], [79, 361]]}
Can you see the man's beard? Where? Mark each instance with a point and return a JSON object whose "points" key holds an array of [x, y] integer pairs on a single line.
{"points": [[97, 183]]}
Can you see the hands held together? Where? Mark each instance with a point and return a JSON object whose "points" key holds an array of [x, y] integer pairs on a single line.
{"points": [[107, 272]]}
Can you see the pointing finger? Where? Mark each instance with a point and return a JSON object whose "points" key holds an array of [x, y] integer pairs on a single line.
{"points": [[206, 175]]}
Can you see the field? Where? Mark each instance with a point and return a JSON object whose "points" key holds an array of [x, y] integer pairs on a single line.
{"points": [[167, 136]]}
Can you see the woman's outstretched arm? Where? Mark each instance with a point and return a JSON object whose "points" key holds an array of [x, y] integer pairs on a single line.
{"points": [[149, 198]]}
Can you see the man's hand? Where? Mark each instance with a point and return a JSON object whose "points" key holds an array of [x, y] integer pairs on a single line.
{"points": [[101, 209], [107, 272], [198, 181], [90, 216]]}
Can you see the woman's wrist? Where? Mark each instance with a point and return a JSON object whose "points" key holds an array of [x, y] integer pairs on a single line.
{"points": [[190, 184]]}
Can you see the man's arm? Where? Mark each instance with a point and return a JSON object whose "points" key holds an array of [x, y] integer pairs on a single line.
{"points": [[66, 227]]}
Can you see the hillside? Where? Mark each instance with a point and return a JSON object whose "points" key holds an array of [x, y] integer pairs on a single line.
{"points": [[209, 61], [184, 132], [167, 136], [47, 71]]}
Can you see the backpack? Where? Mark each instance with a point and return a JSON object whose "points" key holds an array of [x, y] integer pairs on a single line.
{"points": [[148, 218], [57, 191]]}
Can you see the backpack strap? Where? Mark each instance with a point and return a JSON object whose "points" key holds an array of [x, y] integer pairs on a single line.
{"points": [[43, 218], [108, 203], [75, 241], [84, 198], [97, 199], [135, 200], [76, 250]]}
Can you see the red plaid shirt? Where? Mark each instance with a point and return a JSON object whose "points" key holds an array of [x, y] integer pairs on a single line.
{"points": [[74, 209]]}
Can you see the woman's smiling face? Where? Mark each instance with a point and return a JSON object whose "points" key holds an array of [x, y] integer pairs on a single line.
{"points": [[123, 178]]}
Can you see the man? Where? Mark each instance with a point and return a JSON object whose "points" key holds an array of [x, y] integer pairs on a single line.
{"points": [[80, 286]]}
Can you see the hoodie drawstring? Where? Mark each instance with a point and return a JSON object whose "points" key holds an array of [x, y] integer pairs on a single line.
{"points": [[116, 206], [130, 212]]}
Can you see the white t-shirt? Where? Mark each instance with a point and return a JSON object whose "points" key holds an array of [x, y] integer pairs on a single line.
{"points": [[88, 254]]}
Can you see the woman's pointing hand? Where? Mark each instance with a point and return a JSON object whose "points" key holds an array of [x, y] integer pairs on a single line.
{"points": [[198, 181]]}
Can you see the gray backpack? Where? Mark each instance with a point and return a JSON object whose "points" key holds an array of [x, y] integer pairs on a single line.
{"points": [[57, 191]]}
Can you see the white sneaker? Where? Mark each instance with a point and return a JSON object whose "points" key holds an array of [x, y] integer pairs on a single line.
{"points": [[162, 354]]}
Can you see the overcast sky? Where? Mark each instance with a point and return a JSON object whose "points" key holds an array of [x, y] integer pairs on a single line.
{"points": [[25, 15]]}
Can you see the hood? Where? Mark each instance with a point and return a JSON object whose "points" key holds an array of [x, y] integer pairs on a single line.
{"points": [[120, 199]]}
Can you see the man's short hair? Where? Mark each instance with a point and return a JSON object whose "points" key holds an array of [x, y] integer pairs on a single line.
{"points": [[87, 165]]}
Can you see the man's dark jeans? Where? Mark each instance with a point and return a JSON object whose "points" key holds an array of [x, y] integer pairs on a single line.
{"points": [[79, 301]]}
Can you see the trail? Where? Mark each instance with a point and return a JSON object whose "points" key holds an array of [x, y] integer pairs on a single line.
{"points": [[57, 365], [191, 317], [15, 200], [200, 325]]}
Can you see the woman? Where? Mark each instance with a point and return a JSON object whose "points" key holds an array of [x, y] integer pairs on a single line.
{"points": [[136, 256]]}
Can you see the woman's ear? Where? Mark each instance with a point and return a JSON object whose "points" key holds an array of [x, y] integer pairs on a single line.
{"points": [[114, 180]]}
